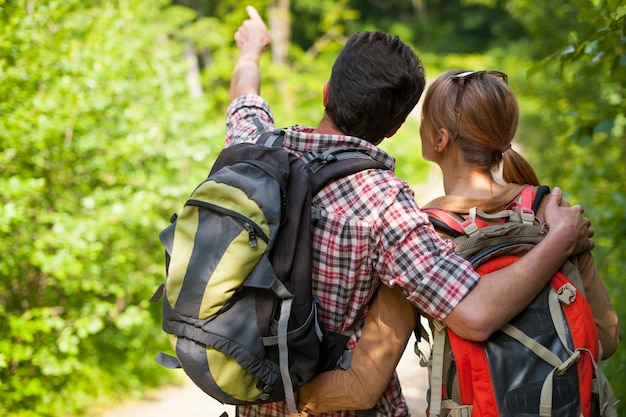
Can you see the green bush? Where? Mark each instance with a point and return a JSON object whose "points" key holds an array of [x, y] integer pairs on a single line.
{"points": [[104, 130], [96, 119]]}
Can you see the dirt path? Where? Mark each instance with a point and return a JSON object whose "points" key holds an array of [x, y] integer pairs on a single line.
{"points": [[190, 401]]}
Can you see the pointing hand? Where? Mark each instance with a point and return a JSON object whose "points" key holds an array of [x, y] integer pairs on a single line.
{"points": [[253, 35]]}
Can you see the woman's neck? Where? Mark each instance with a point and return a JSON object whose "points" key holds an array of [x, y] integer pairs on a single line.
{"points": [[465, 182]]}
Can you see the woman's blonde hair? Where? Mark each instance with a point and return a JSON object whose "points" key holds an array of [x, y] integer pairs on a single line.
{"points": [[481, 113]]}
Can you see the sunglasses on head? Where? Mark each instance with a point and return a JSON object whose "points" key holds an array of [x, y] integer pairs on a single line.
{"points": [[462, 78]]}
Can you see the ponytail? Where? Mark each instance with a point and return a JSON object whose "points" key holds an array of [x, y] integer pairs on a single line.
{"points": [[516, 169]]}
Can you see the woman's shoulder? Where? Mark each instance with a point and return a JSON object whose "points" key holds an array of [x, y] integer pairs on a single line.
{"points": [[462, 205]]}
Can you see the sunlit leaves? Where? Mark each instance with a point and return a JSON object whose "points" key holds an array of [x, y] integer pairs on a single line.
{"points": [[583, 148], [94, 109]]}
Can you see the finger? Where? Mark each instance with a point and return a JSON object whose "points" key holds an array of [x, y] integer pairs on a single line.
{"points": [[578, 208], [592, 244], [556, 195], [239, 36], [254, 15]]}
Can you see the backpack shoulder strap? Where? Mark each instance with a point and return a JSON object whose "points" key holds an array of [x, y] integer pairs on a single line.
{"points": [[445, 222], [451, 223], [541, 192], [345, 161], [531, 196], [270, 138], [336, 163]]}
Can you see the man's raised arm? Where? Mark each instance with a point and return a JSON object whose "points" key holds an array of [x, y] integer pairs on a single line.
{"points": [[252, 38]]}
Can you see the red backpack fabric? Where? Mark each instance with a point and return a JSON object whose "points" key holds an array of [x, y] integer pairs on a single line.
{"points": [[545, 361]]}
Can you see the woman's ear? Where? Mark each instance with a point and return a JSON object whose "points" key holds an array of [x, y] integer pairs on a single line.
{"points": [[443, 139]]}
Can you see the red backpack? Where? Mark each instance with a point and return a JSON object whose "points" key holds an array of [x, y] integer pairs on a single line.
{"points": [[545, 361]]}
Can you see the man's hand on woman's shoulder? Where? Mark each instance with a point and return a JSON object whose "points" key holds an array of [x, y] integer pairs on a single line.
{"points": [[568, 225]]}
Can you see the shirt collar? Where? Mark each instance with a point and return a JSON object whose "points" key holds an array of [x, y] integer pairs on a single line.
{"points": [[301, 139]]}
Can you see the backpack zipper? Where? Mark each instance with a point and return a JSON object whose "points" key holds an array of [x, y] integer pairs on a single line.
{"points": [[251, 235], [253, 229]]}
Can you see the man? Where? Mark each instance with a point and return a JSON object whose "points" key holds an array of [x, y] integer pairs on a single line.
{"points": [[371, 230]]}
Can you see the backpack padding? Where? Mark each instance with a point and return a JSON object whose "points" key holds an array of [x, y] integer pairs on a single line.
{"points": [[342, 168], [542, 191], [471, 359], [480, 253], [448, 222], [295, 351], [328, 162], [443, 227], [271, 139]]}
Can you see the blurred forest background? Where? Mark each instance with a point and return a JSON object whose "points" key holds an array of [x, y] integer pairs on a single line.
{"points": [[112, 111]]}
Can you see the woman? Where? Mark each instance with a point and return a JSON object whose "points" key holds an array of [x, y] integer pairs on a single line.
{"points": [[469, 120]]}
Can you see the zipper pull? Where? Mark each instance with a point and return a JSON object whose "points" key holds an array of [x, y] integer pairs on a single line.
{"points": [[251, 235]]}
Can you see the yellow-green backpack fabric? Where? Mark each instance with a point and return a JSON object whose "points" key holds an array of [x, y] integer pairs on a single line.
{"points": [[237, 303]]}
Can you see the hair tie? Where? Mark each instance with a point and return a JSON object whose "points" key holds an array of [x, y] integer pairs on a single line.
{"points": [[505, 148]]}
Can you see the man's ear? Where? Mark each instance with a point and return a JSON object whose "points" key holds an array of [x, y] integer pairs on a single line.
{"points": [[325, 92], [393, 131]]}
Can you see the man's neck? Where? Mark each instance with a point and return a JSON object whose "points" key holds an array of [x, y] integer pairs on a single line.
{"points": [[327, 127]]}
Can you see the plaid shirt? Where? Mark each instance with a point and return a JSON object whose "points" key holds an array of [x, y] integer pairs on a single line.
{"points": [[371, 230]]}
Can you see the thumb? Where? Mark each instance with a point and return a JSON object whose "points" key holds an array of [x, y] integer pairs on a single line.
{"points": [[556, 196]]}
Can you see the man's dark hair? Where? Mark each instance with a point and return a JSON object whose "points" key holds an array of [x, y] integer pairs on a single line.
{"points": [[375, 83]]}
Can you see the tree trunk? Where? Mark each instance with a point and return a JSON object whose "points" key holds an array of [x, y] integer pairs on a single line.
{"points": [[280, 26]]}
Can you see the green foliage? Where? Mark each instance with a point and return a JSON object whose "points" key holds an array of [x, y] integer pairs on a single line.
{"points": [[316, 23], [95, 117], [579, 96], [111, 111], [570, 79], [406, 147], [104, 128], [457, 26]]}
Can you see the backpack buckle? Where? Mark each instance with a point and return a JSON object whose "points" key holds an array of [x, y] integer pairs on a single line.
{"points": [[568, 363], [566, 294], [316, 160], [469, 226], [267, 390], [439, 325], [527, 215]]}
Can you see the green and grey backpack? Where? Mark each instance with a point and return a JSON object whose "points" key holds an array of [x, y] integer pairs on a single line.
{"points": [[237, 303]]}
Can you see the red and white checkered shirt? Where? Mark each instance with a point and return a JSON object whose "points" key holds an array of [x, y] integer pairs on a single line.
{"points": [[371, 231]]}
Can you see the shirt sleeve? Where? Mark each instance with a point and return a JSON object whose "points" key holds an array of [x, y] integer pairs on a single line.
{"points": [[412, 256], [241, 125]]}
